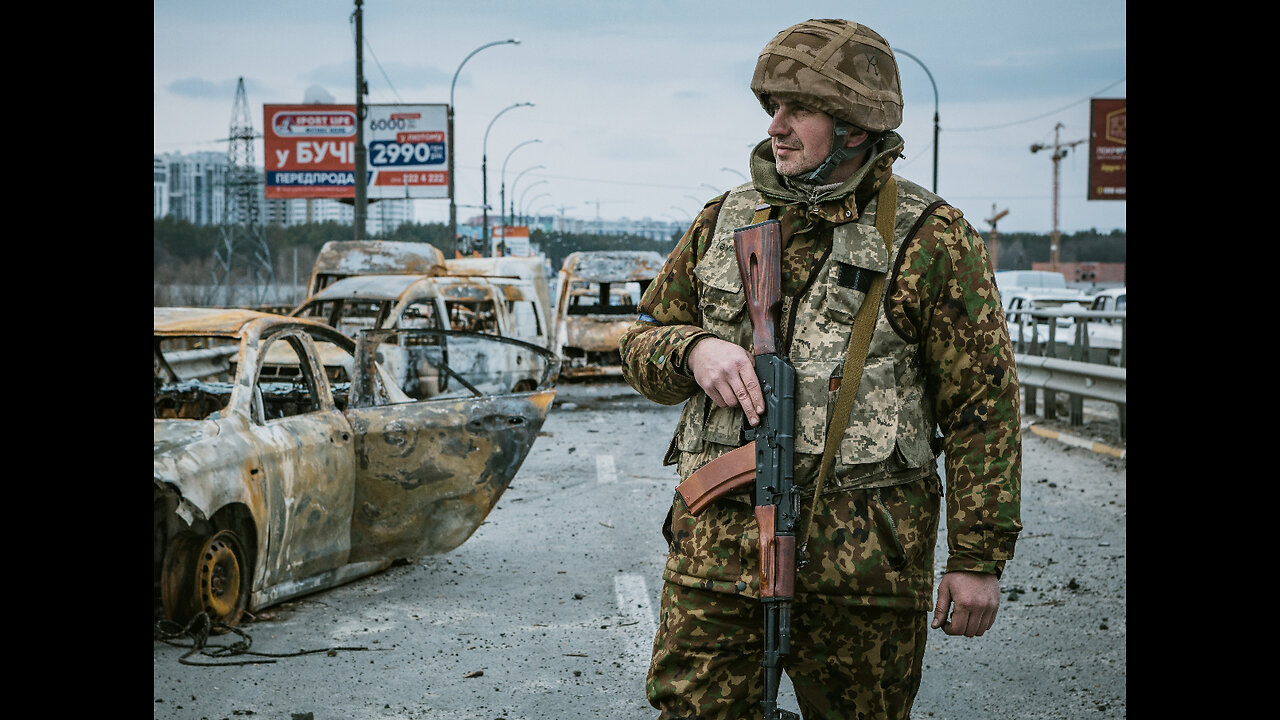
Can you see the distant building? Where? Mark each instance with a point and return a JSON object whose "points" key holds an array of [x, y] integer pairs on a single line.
{"points": [[645, 227], [191, 187], [1087, 272], [160, 189], [195, 187]]}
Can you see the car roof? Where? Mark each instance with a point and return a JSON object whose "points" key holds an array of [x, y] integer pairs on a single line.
{"points": [[613, 265], [216, 321], [373, 287]]}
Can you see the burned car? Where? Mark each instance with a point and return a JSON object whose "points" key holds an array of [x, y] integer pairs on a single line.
{"points": [[339, 259], [287, 460], [503, 306], [596, 301]]}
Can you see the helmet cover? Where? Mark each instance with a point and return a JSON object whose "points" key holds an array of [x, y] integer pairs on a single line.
{"points": [[842, 68]]}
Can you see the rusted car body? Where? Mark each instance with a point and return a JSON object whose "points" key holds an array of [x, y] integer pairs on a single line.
{"points": [[532, 270], [286, 460], [596, 300], [505, 306], [343, 258]]}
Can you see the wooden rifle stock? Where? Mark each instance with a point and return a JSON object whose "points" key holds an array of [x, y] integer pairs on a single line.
{"points": [[759, 251]]}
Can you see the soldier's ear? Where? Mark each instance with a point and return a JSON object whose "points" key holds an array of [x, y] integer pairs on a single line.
{"points": [[852, 140]]}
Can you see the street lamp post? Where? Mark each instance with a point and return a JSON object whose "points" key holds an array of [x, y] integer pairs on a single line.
{"points": [[935, 114], [484, 169], [360, 205], [516, 181], [524, 208], [453, 203], [526, 192], [502, 202]]}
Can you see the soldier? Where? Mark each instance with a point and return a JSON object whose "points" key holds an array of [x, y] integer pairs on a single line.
{"points": [[938, 376]]}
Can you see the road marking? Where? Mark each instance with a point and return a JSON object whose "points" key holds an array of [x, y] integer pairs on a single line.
{"points": [[605, 471], [634, 607], [1078, 442]]}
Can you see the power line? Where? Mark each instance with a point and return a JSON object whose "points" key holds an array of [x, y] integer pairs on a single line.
{"points": [[369, 45], [1038, 117]]}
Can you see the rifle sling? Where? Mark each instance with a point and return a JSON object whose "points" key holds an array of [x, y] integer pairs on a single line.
{"points": [[864, 323]]}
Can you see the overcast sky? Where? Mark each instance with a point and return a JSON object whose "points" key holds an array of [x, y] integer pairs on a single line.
{"points": [[642, 107]]}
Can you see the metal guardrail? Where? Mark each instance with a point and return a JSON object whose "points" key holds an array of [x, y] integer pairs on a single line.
{"points": [[1087, 372]]}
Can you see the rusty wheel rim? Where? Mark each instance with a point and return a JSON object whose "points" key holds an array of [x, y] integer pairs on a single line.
{"points": [[205, 574], [220, 578]]}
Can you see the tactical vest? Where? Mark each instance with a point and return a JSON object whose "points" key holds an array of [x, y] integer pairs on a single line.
{"points": [[890, 436]]}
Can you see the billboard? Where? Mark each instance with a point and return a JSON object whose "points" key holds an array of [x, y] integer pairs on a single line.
{"points": [[1107, 145], [407, 146], [510, 241], [309, 151]]}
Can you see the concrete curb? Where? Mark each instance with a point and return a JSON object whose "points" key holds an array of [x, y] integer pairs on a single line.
{"points": [[1076, 441]]}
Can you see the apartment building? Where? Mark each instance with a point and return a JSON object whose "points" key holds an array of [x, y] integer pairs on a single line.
{"points": [[191, 187]]}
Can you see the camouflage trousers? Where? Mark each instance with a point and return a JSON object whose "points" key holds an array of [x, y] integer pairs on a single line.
{"points": [[859, 619]]}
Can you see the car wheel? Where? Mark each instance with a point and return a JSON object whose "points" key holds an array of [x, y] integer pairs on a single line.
{"points": [[205, 573]]}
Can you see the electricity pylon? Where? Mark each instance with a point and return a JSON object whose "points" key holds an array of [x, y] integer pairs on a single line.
{"points": [[241, 230]]}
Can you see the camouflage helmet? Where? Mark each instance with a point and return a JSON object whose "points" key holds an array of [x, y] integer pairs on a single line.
{"points": [[839, 67]]}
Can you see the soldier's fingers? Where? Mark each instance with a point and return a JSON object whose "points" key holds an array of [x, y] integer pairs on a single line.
{"points": [[958, 625], [748, 405], [752, 386], [940, 609]]}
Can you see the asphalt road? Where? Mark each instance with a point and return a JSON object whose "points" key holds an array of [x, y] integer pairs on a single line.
{"points": [[549, 610]]}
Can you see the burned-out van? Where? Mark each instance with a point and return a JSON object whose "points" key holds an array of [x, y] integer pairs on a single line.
{"points": [[596, 301], [507, 307], [340, 259]]}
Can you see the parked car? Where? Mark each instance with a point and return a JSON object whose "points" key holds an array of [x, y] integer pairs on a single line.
{"points": [[1109, 333], [286, 459], [1104, 339], [339, 259], [505, 306], [1022, 324], [1031, 280], [1111, 299], [596, 301]]}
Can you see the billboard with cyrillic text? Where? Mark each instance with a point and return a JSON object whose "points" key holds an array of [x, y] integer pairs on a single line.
{"points": [[1108, 149], [309, 151]]}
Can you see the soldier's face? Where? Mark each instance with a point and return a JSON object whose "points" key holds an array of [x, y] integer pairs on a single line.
{"points": [[801, 136]]}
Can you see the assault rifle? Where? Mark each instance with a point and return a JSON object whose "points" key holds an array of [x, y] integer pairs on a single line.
{"points": [[759, 251], [768, 458]]}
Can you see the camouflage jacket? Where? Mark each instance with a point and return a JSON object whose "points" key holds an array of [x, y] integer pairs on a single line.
{"points": [[940, 294]]}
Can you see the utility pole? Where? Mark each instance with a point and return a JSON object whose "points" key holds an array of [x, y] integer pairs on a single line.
{"points": [[994, 244], [361, 202], [241, 210], [1059, 152]]}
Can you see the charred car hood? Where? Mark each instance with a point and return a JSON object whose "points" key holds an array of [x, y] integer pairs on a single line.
{"points": [[170, 435]]}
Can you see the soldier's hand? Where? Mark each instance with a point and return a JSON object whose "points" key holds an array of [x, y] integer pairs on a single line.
{"points": [[727, 374], [975, 597]]}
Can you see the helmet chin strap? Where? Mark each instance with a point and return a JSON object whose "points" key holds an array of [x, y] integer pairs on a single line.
{"points": [[839, 153]]}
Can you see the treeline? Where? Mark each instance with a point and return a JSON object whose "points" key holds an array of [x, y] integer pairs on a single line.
{"points": [[1017, 250], [183, 252]]}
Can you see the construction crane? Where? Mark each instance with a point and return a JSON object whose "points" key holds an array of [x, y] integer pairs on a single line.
{"points": [[1059, 152], [597, 203], [994, 243]]}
